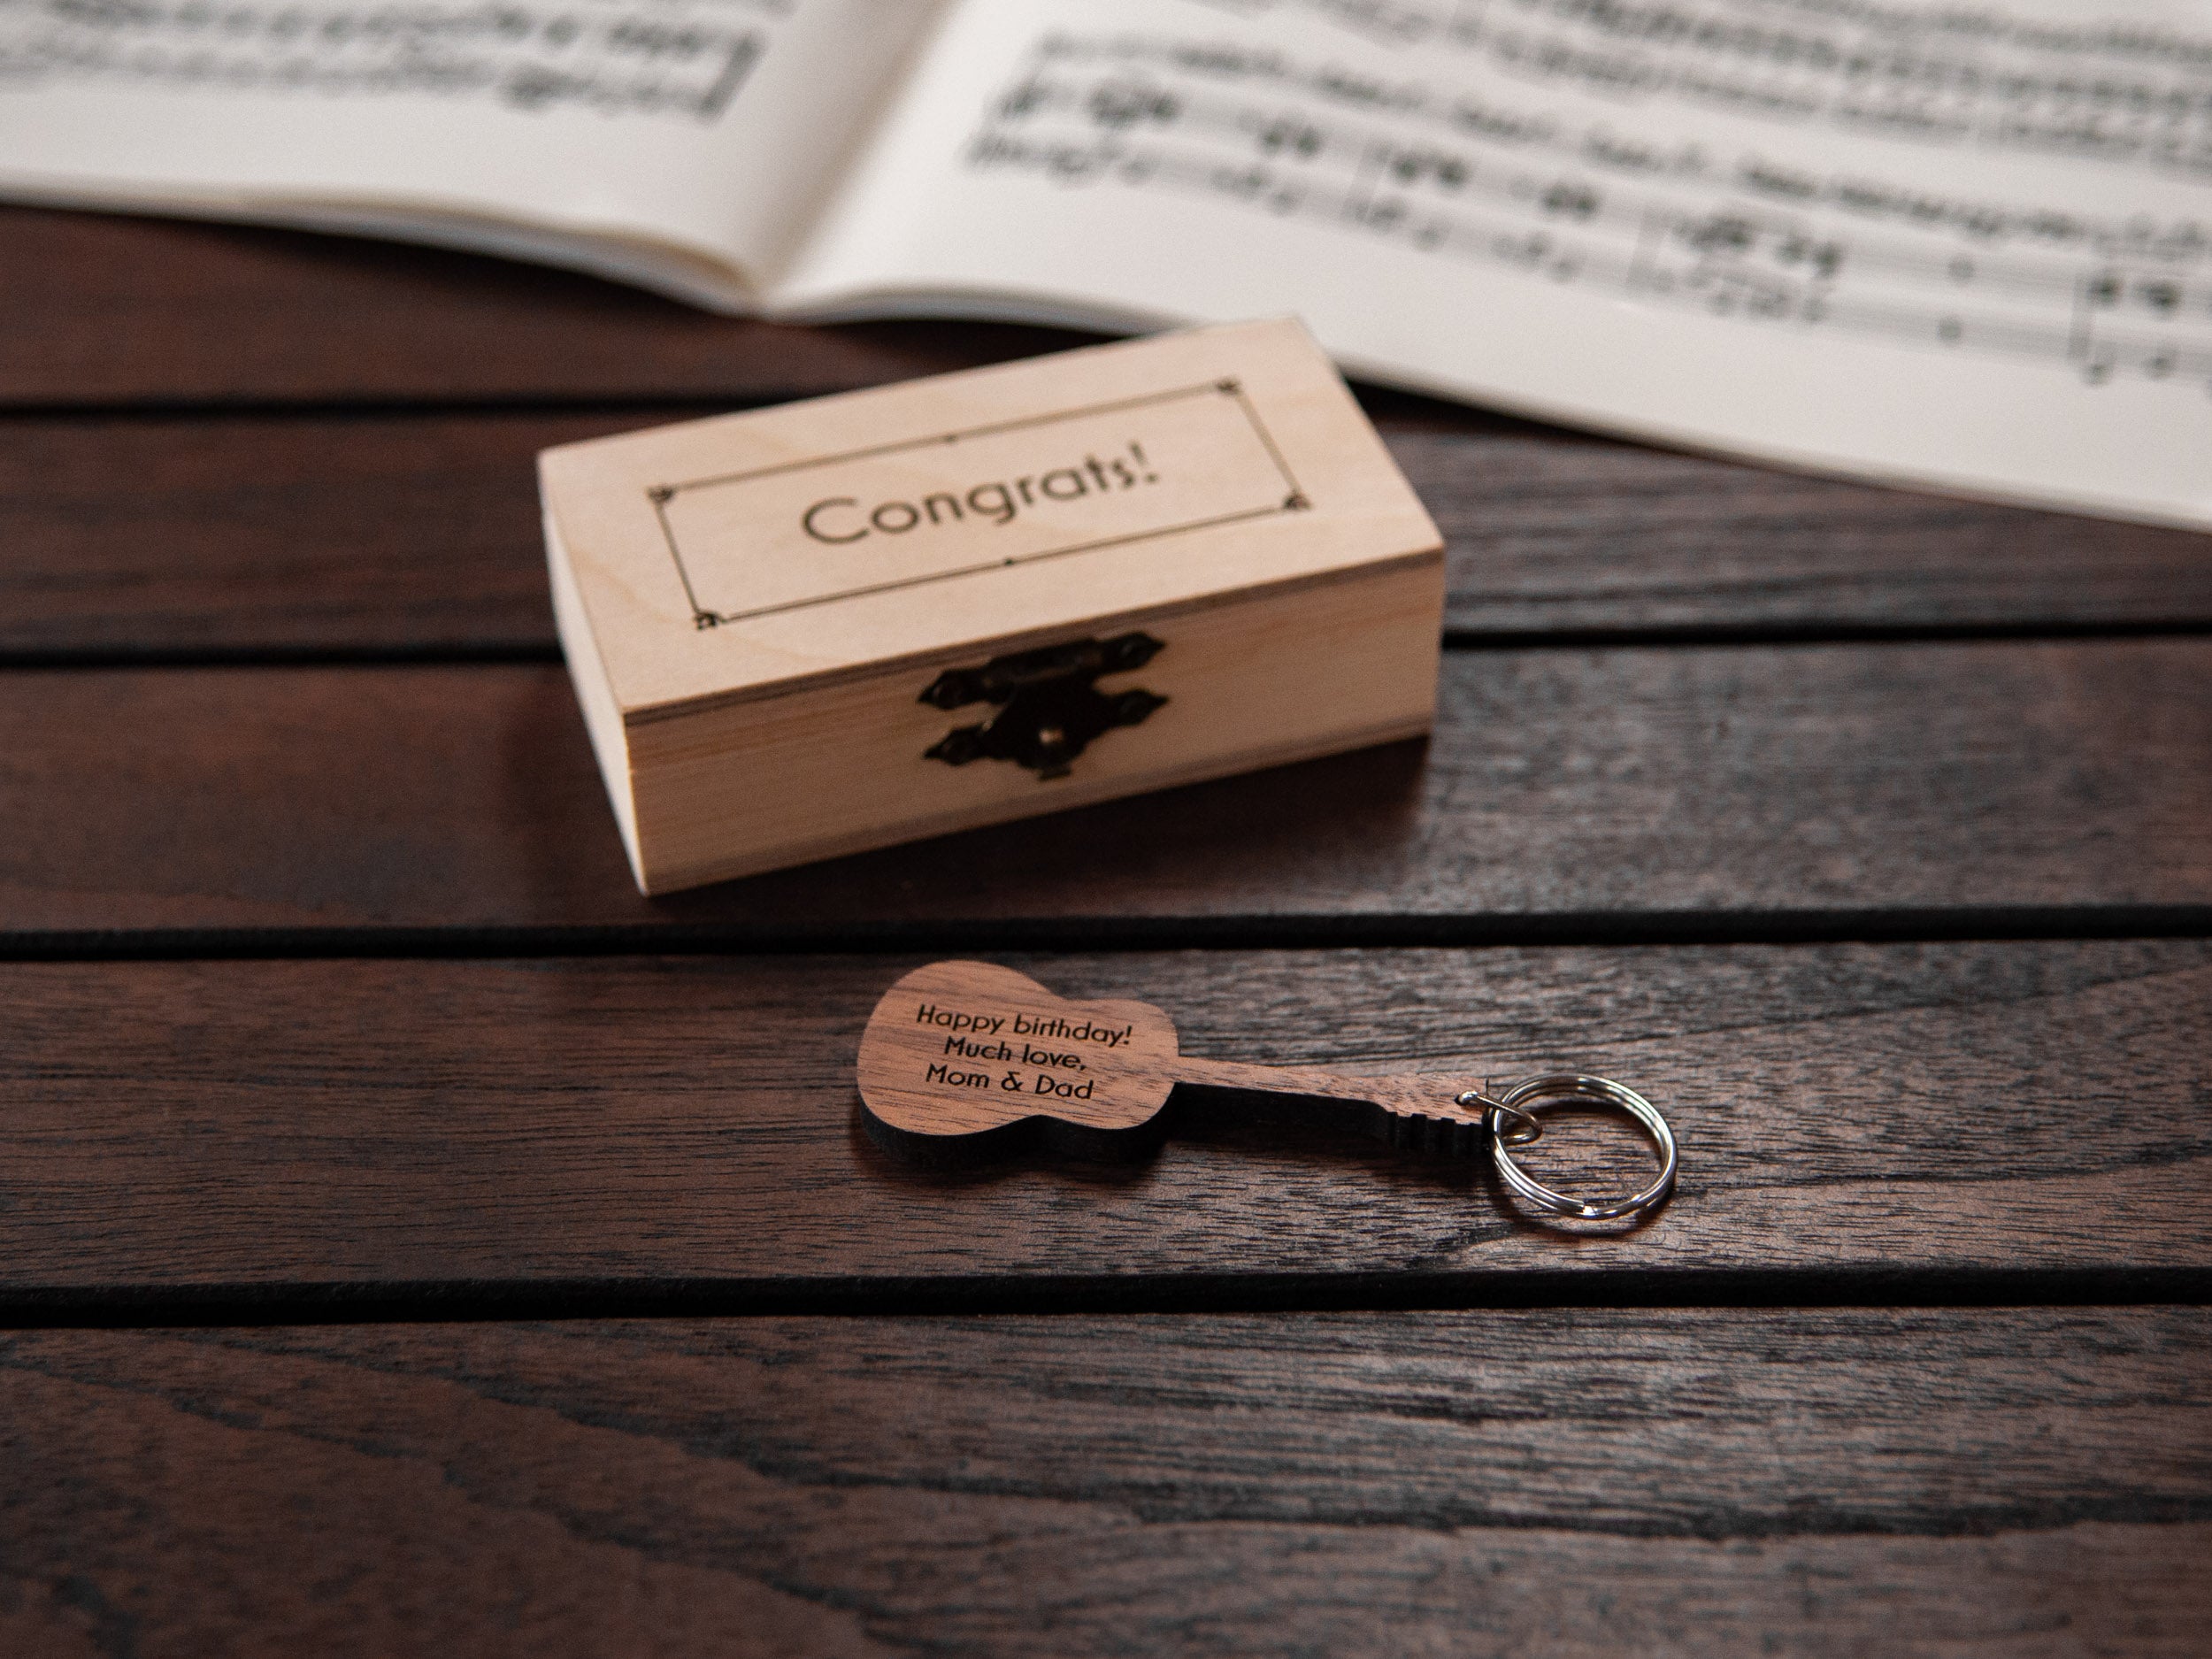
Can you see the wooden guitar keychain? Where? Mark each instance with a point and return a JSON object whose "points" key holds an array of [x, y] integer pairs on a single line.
{"points": [[958, 1051]]}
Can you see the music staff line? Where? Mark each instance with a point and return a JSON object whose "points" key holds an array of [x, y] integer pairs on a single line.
{"points": [[1856, 47], [1990, 102], [1115, 104], [1467, 121], [2066, 339], [612, 56]]}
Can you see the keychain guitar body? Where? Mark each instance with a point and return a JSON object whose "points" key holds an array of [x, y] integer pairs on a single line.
{"points": [[970, 1056]]}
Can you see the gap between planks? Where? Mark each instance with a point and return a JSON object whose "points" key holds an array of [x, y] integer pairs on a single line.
{"points": [[1688, 636], [1114, 934], [282, 1306]]}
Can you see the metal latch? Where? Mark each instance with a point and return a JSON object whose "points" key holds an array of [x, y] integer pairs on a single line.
{"points": [[1049, 709]]}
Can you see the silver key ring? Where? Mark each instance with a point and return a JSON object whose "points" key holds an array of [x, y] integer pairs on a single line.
{"points": [[1562, 1086]]}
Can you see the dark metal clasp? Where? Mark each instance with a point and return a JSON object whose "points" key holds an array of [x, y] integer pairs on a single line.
{"points": [[1049, 708]]}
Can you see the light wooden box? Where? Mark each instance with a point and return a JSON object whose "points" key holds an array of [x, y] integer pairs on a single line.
{"points": [[814, 629]]}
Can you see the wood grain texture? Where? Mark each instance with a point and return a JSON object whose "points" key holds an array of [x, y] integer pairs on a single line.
{"points": [[2028, 1482], [1548, 530], [188, 1135], [419, 532], [343, 531], [1625, 781], [515, 1128], [107, 310]]}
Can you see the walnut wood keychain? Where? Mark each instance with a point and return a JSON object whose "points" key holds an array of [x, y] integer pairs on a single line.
{"points": [[960, 1050]]}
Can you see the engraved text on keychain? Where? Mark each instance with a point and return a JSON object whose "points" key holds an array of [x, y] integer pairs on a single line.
{"points": [[962, 1049]]}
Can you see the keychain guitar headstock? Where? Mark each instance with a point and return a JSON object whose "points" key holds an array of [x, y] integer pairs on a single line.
{"points": [[959, 1051]]}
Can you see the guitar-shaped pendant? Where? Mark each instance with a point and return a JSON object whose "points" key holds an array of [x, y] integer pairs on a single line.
{"points": [[969, 1054]]}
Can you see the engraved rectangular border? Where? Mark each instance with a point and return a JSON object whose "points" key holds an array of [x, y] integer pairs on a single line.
{"points": [[1294, 499]]}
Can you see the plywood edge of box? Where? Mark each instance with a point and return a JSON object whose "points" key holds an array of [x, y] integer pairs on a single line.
{"points": [[604, 721], [1290, 671]]}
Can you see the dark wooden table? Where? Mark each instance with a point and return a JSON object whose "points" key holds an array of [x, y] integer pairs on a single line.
{"points": [[411, 1240]]}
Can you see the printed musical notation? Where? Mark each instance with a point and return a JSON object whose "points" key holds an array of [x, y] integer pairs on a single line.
{"points": [[686, 59], [1452, 175], [2106, 91]]}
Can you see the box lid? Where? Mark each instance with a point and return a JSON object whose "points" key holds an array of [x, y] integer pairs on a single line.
{"points": [[747, 555]]}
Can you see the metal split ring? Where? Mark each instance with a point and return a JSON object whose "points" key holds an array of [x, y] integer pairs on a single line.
{"points": [[1562, 1086]]}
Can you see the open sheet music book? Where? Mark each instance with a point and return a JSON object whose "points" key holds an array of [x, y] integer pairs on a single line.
{"points": [[1959, 244]]}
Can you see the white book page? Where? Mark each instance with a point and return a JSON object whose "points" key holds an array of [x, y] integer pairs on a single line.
{"points": [[1963, 247], [682, 143]]}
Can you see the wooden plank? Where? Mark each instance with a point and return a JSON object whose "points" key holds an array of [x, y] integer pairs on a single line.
{"points": [[1680, 783], [2028, 1482], [690, 1127], [1548, 531], [190, 533], [419, 533], [105, 310]]}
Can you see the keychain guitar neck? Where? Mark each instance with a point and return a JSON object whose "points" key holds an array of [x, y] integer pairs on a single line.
{"points": [[962, 1050]]}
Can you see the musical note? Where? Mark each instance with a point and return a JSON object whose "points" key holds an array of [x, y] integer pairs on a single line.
{"points": [[1025, 99], [1574, 201], [1824, 260], [1119, 107], [1410, 167], [1300, 138]]}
